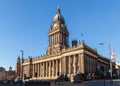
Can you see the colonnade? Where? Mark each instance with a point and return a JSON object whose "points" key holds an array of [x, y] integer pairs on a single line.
{"points": [[47, 68], [91, 64], [53, 68], [75, 64]]}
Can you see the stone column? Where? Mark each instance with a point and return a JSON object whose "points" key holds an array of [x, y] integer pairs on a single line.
{"points": [[53, 69], [60, 67], [90, 63], [55, 38], [50, 40], [38, 70], [82, 63], [74, 64], [69, 65], [63, 39], [56, 67], [79, 62], [63, 65], [49, 68], [59, 38], [33, 70], [46, 69], [41, 69]]}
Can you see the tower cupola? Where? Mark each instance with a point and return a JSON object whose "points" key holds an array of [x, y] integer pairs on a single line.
{"points": [[58, 34], [58, 17]]}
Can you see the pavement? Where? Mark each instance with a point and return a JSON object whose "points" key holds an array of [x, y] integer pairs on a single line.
{"points": [[114, 82]]}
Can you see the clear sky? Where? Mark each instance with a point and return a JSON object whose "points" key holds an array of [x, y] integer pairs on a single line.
{"points": [[24, 25]]}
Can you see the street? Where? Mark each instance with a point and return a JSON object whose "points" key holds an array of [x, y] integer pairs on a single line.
{"points": [[100, 83], [116, 82]]}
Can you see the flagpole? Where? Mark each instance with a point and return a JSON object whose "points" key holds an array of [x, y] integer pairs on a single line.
{"points": [[82, 37]]}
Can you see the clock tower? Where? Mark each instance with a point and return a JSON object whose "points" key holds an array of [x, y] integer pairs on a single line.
{"points": [[58, 34]]}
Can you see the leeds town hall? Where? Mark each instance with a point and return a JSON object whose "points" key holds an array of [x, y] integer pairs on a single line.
{"points": [[62, 59]]}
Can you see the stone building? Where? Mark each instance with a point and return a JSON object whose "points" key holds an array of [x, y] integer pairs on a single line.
{"points": [[2, 73], [7, 75], [18, 68], [10, 74], [63, 59], [117, 68]]}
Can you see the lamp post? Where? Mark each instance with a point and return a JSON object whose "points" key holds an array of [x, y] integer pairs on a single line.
{"points": [[22, 65], [110, 61], [103, 68], [110, 66], [110, 70]]}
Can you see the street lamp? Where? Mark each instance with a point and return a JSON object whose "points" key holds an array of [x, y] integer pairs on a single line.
{"points": [[110, 70], [109, 57], [110, 66], [110, 61], [22, 65], [103, 68]]}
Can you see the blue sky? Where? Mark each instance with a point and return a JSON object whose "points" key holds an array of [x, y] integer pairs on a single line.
{"points": [[24, 25]]}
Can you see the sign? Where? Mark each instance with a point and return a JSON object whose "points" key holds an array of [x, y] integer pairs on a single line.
{"points": [[112, 56]]}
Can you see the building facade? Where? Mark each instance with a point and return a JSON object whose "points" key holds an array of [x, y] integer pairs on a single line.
{"points": [[7, 75], [62, 59], [2, 73], [117, 69], [18, 68]]}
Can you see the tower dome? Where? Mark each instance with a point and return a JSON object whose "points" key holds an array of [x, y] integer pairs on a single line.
{"points": [[58, 17], [58, 34]]}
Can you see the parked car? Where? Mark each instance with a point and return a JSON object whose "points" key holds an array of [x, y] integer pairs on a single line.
{"points": [[19, 82], [77, 78], [5, 82]]}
